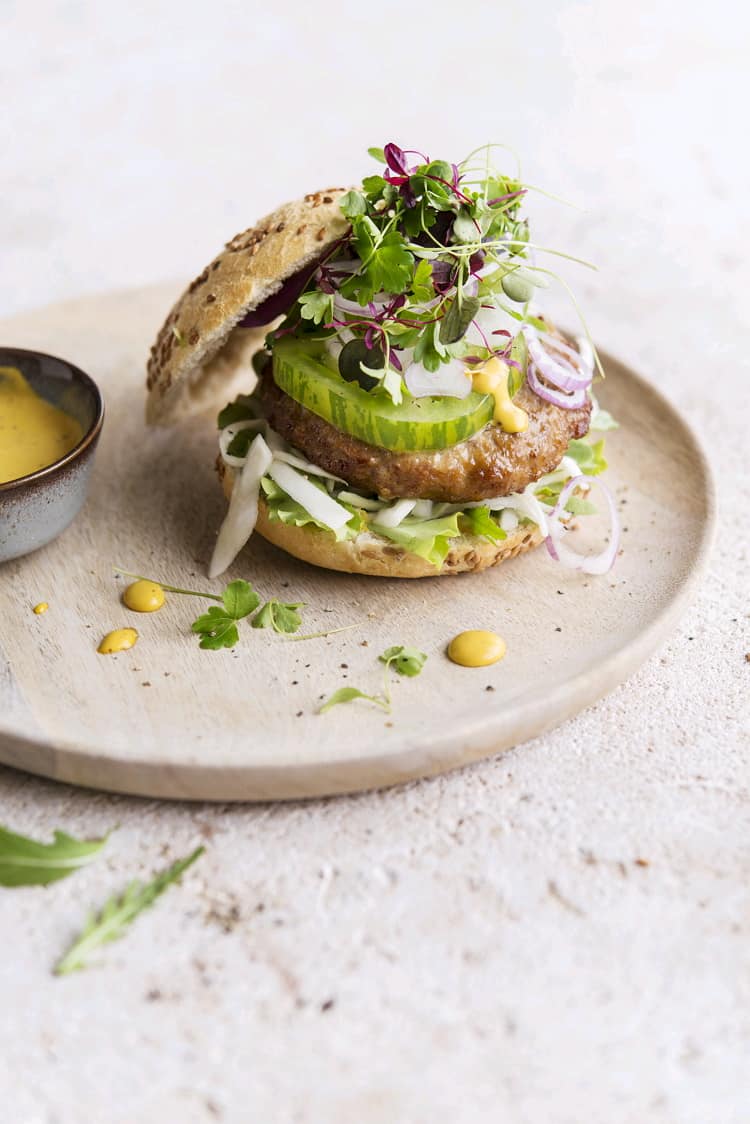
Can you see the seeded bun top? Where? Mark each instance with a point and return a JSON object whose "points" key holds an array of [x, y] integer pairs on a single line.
{"points": [[200, 353]]}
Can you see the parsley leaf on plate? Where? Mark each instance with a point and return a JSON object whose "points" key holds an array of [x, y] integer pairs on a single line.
{"points": [[281, 616], [24, 862], [406, 661], [118, 912], [240, 599], [218, 627]]}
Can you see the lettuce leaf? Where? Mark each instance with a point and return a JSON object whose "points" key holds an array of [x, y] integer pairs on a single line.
{"points": [[427, 538], [241, 409], [577, 505], [478, 521], [283, 509], [589, 457], [431, 538], [601, 419], [590, 460]]}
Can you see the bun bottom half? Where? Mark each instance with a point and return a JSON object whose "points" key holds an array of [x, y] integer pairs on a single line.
{"points": [[376, 556]]}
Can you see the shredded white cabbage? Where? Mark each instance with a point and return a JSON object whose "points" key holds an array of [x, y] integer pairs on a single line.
{"points": [[316, 502], [229, 432], [395, 514], [297, 461], [242, 514], [365, 503], [270, 455]]}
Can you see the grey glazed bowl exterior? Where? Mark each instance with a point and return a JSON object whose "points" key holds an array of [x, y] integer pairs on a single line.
{"points": [[34, 509]]}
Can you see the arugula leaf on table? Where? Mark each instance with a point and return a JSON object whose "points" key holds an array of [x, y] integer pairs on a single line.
{"points": [[218, 627], [24, 862], [281, 616], [404, 660], [118, 912]]}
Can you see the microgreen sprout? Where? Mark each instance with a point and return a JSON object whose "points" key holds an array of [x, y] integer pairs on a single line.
{"points": [[403, 660], [434, 247]]}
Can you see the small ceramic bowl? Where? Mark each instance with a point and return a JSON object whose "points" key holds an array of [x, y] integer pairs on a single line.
{"points": [[34, 509]]}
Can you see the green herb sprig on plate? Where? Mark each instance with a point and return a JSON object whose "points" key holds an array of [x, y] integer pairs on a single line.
{"points": [[404, 660]]}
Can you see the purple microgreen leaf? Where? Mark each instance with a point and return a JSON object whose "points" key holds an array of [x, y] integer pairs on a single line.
{"points": [[442, 275], [476, 261], [395, 158]]}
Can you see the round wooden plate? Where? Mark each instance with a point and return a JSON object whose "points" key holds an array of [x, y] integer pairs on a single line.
{"points": [[169, 720]]}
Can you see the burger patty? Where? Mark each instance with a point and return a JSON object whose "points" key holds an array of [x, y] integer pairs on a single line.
{"points": [[490, 463]]}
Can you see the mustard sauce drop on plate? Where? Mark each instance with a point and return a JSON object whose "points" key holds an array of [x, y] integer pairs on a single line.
{"points": [[492, 378], [143, 596], [33, 432], [476, 648], [42, 607], [118, 641]]}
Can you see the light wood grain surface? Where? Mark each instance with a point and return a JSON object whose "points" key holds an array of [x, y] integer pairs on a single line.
{"points": [[167, 719]]}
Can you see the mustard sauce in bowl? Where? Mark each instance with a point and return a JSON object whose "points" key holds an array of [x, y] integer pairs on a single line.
{"points": [[51, 416], [33, 432]]}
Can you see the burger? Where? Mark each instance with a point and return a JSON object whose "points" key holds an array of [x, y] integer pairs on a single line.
{"points": [[395, 402]]}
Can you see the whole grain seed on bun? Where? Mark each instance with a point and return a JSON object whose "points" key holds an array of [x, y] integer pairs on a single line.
{"points": [[201, 355]]}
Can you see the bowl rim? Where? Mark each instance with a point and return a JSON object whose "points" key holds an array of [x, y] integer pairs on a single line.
{"points": [[89, 436]]}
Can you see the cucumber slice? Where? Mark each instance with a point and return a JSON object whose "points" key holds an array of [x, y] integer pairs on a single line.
{"points": [[308, 377]]}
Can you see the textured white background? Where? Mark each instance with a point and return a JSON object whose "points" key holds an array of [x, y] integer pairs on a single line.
{"points": [[485, 947]]}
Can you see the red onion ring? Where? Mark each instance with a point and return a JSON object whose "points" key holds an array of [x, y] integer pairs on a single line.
{"points": [[600, 563], [559, 370], [557, 397]]}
